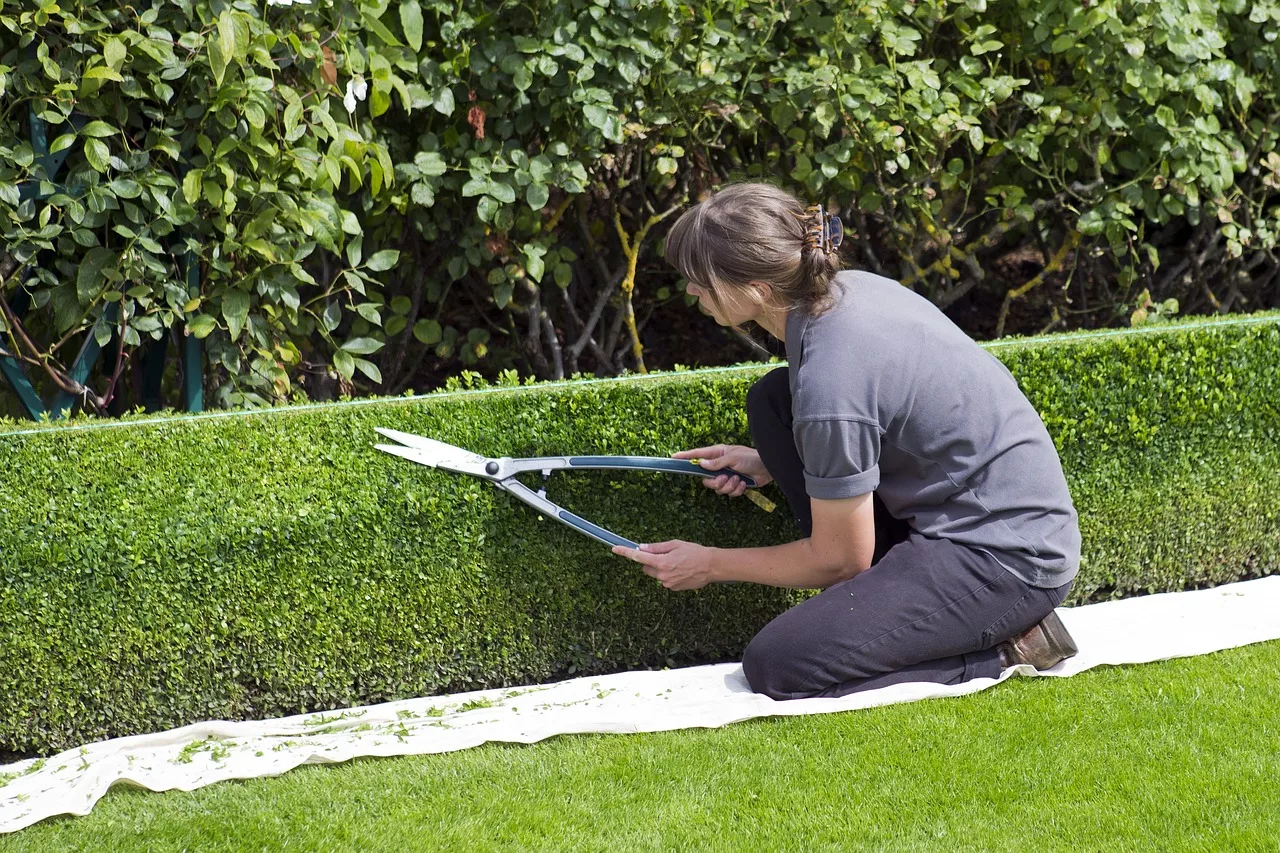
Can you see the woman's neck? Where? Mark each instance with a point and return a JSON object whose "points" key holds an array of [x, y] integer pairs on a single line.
{"points": [[773, 320]]}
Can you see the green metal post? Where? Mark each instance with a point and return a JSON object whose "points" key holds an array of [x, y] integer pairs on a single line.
{"points": [[63, 402], [192, 348], [153, 357], [17, 377], [13, 371]]}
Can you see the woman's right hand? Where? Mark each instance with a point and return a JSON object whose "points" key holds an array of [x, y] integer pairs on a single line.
{"points": [[745, 460]]}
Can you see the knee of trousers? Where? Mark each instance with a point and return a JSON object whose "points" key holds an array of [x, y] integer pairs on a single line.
{"points": [[771, 668], [767, 394]]}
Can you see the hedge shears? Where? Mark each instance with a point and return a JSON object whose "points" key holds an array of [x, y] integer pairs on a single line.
{"points": [[502, 473]]}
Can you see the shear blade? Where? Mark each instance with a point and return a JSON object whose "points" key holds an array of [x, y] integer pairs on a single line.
{"points": [[437, 454], [407, 452]]}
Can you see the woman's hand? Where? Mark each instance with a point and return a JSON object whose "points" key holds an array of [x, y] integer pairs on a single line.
{"points": [[679, 565], [742, 459]]}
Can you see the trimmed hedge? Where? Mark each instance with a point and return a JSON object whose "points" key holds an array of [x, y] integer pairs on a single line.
{"points": [[161, 571]]}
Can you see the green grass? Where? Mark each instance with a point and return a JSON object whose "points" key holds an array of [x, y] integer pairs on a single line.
{"points": [[1181, 755]]}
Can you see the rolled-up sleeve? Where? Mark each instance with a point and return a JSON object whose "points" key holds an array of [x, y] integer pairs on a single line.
{"points": [[841, 457]]}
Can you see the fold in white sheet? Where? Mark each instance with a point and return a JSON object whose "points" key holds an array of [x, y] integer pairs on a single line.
{"points": [[1135, 630]]}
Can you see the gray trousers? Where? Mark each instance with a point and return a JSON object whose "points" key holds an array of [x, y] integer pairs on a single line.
{"points": [[927, 609]]}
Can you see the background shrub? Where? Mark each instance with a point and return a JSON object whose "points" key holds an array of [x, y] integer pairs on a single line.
{"points": [[382, 193]]}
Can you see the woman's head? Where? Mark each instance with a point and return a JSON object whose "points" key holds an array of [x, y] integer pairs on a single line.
{"points": [[748, 234]]}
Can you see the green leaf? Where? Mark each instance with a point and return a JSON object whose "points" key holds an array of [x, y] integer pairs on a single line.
{"points": [[354, 280], [191, 185], [540, 168], [369, 312], [332, 316], [535, 266], [362, 346], [427, 332], [430, 164], [596, 115], [255, 115], [444, 103], [102, 72], [125, 188], [383, 260], [804, 167], [292, 120], [379, 103], [422, 194], [146, 323], [379, 29], [563, 274], [89, 278], [502, 294], [201, 326], [217, 60], [537, 195], [826, 115], [227, 33], [345, 364], [114, 52], [411, 20], [235, 310], [504, 193], [98, 129], [1091, 223], [63, 142], [368, 368]]}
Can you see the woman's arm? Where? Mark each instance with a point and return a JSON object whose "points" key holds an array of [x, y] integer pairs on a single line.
{"points": [[841, 545], [843, 539]]}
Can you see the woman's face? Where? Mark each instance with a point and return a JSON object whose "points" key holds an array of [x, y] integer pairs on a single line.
{"points": [[731, 307]]}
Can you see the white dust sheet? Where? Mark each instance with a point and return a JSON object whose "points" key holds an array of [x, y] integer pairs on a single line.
{"points": [[1135, 630]]}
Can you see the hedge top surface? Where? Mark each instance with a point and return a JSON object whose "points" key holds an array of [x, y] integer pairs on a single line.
{"points": [[17, 428]]}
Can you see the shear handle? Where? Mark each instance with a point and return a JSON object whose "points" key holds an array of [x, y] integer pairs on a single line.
{"points": [[633, 463], [546, 507]]}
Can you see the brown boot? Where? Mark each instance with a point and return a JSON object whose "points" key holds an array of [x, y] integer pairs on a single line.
{"points": [[1046, 644]]}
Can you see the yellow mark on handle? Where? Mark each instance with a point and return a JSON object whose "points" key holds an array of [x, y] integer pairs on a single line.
{"points": [[752, 495]]}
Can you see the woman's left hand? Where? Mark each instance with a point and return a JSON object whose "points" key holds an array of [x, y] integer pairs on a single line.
{"points": [[679, 565]]}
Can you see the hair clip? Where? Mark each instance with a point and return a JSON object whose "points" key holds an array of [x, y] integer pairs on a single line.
{"points": [[827, 233]]}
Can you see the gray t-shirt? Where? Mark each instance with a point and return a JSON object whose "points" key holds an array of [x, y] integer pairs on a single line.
{"points": [[890, 396]]}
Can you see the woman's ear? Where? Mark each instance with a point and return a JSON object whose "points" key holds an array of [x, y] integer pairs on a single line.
{"points": [[763, 292]]}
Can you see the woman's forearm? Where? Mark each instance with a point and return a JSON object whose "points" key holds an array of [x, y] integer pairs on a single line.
{"points": [[795, 565]]}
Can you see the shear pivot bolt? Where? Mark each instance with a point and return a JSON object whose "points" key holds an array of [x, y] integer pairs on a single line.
{"points": [[491, 468]]}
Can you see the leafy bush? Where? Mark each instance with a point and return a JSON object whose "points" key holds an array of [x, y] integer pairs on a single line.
{"points": [[159, 571], [495, 199]]}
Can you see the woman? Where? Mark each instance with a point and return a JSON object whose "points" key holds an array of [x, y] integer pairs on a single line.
{"points": [[934, 512]]}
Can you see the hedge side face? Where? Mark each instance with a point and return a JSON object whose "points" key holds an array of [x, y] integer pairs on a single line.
{"points": [[155, 574]]}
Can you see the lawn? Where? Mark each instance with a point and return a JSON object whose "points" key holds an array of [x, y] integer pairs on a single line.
{"points": [[1169, 756]]}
